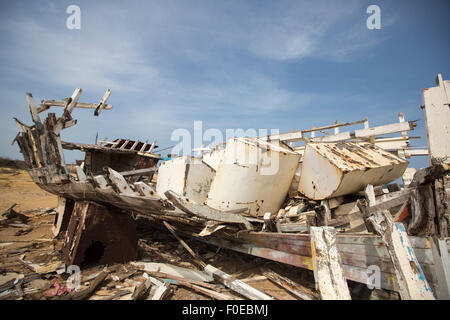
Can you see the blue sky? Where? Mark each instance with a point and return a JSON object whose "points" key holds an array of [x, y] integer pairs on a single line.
{"points": [[232, 64]]}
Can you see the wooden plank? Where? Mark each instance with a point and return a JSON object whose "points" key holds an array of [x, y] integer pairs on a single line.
{"points": [[294, 288], [138, 172], [410, 276], [124, 144], [236, 285], [86, 293], [33, 109], [328, 270], [141, 290], [208, 292], [120, 183], [204, 211], [102, 103], [172, 270], [134, 145], [385, 129], [184, 244], [46, 104], [441, 269]]}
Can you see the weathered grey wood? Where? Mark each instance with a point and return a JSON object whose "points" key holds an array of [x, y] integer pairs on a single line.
{"points": [[236, 285], [141, 290], [120, 183], [292, 287], [102, 103], [46, 104], [422, 211], [138, 172], [328, 270], [441, 268], [411, 280], [33, 109], [86, 293], [66, 116], [80, 173], [204, 211], [184, 244]]}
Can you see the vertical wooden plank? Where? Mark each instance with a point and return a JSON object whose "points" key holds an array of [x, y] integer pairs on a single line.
{"points": [[441, 268], [410, 276], [328, 271]]}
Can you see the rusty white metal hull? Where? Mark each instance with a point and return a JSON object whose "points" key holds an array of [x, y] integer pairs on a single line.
{"points": [[334, 169], [253, 176], [186, 176]]}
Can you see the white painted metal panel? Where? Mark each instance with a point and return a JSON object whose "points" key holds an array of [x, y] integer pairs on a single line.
{"points": [[334, 169], [254, 175], [437, 117], [186, 176]]}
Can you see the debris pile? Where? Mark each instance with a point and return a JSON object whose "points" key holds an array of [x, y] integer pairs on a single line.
{"points": [[327, 203]]}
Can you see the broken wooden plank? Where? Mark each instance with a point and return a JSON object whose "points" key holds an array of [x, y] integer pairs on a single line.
{"points": [[328, 271], [236, 285], [120, 183], [294, 288], [173, 277], [184, 244], [102, 103], [441, 268], [46, 104], [141, 290], [138, 171], [171, 270], [86, 293], [411, 280], [204, 211]]}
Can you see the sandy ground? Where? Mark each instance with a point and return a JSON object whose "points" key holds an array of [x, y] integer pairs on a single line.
{"points": [[16, 186]]}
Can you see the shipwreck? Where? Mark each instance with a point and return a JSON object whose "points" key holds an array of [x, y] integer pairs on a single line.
{"points": [[323, 198]]}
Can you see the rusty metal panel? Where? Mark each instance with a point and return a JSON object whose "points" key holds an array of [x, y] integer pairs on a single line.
{"points": [[253, 175], [335, 169], [99, 235]]}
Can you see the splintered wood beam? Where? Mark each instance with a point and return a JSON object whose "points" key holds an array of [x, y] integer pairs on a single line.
{"points": [[410, 276], [294, 288], [102, 103], [138, 171], [328, 270], [33, 109], [46, 104], [66, 116], [385, 129], [204, 211], [120, 183], [236, 285], [196, 258]]}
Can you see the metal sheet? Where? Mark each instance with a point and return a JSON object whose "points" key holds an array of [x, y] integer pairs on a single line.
{"points": [[186, 176], [254, 175], [335, 169]]}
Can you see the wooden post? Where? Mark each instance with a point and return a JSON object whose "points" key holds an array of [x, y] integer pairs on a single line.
{"points": [[410, 276], [328, 271]]}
